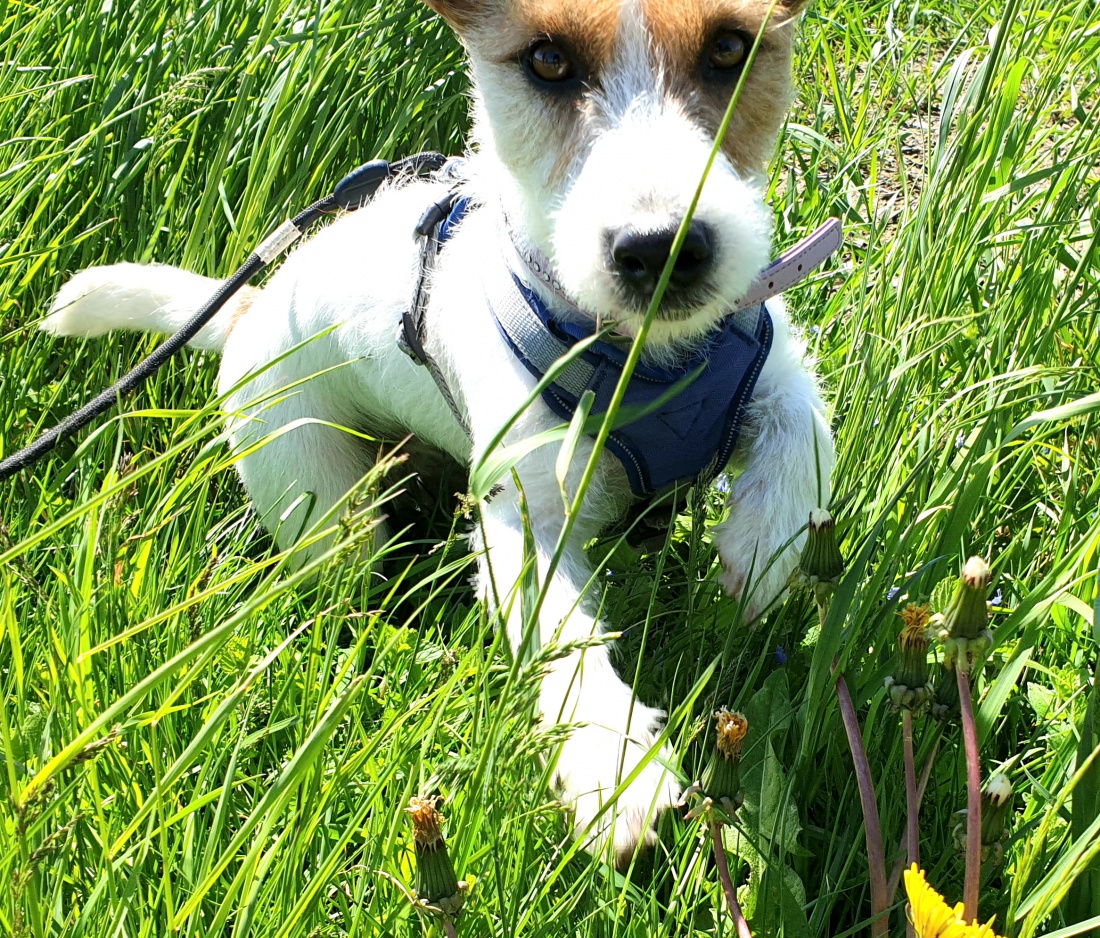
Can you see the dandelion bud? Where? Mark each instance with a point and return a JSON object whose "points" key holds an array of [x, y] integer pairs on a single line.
{"points": [[967, 615], [722, 777], [966, 636], [437, 885], [945, 697], [996, 807], [909, 687], [821, 564]]}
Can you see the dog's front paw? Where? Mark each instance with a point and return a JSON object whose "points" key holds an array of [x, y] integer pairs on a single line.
{"points": [[593, 762], [755, 546], [758, 592]]}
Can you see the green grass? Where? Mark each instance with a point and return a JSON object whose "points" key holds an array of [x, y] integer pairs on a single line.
{"points": [[195, 740]]}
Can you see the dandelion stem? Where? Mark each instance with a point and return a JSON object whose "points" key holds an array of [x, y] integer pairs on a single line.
{"points": [[912, 804], [912, 807], [895, 873], [973, 799], [727, 881], [876, 860], [449, 928]]}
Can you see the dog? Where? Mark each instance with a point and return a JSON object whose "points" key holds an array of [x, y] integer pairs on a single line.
{"points": [[592, 124]]}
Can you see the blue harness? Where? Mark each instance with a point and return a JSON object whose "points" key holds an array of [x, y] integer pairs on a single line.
{"points": [[676, 424]]}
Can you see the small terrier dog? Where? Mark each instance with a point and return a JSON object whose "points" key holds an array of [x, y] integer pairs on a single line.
{"points": [[593, 122]]}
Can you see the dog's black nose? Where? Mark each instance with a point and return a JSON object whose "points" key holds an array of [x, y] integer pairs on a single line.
{"points": [[639, 258]]}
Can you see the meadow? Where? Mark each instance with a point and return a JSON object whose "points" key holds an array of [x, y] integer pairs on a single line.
{"points": [[195, 739]]}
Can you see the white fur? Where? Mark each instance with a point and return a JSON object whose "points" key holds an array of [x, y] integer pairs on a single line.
{"points": [[616, 186], [339, 296], [153, 297]]}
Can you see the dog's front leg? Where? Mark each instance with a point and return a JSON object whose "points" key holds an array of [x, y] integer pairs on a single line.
{"points": [[612, 734], [788, 460]]}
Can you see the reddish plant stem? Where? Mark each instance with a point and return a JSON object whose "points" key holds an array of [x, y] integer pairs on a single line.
{"points": [[727, 881], [973, 800], [876, 860], [912, 804], [449, 928], [895, 873]]}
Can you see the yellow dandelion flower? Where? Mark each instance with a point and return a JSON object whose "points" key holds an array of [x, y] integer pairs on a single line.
{"points": [[915, 620], [732, 728], [721, 781], [427, 821], [932, 917]]}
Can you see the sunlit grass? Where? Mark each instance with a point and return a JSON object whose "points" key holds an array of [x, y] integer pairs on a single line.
{"points": [[194, 738]]}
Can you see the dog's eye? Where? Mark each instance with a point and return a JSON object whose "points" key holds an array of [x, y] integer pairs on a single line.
{"points": [[548, 61], [728, 51]]}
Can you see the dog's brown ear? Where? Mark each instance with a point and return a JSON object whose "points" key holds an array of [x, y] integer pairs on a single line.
{"points": [[458, 13], [788, 10]]}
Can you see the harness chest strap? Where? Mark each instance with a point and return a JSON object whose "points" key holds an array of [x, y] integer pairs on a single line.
{"points": [[675, 425], [411, 333]]}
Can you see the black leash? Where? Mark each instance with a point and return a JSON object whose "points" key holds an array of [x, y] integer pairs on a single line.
{"points": [[354, 190], [411, 337]]}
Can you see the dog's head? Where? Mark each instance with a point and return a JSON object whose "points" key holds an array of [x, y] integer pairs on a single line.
{"points": [[595, 119]]}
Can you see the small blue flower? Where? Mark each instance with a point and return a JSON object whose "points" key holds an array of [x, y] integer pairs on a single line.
{"points": [[893, 592], [780, 656], [998, 598], [722, 484]]}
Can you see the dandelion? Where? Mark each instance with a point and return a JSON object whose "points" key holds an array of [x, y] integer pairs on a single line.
{"points": [[821, 565], [945, 698], [437, 885], [997, 797], [996, 805], [819, 570], [966, 641], [722, 776], [932, 917], [909, 687], [966, 636], [721, 785]]}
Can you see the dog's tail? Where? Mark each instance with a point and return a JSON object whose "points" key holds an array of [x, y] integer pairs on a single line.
{"points": [[148, 298]]}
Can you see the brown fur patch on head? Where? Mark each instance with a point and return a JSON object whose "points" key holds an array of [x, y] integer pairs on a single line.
{"points": [[589, 27], [681, 32], [502, 30], [459, 13], [541, 135]]}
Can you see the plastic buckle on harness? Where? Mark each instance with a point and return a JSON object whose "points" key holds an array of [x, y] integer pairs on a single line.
{"points": [[426, 230], [434, 214], [360, 184]]}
